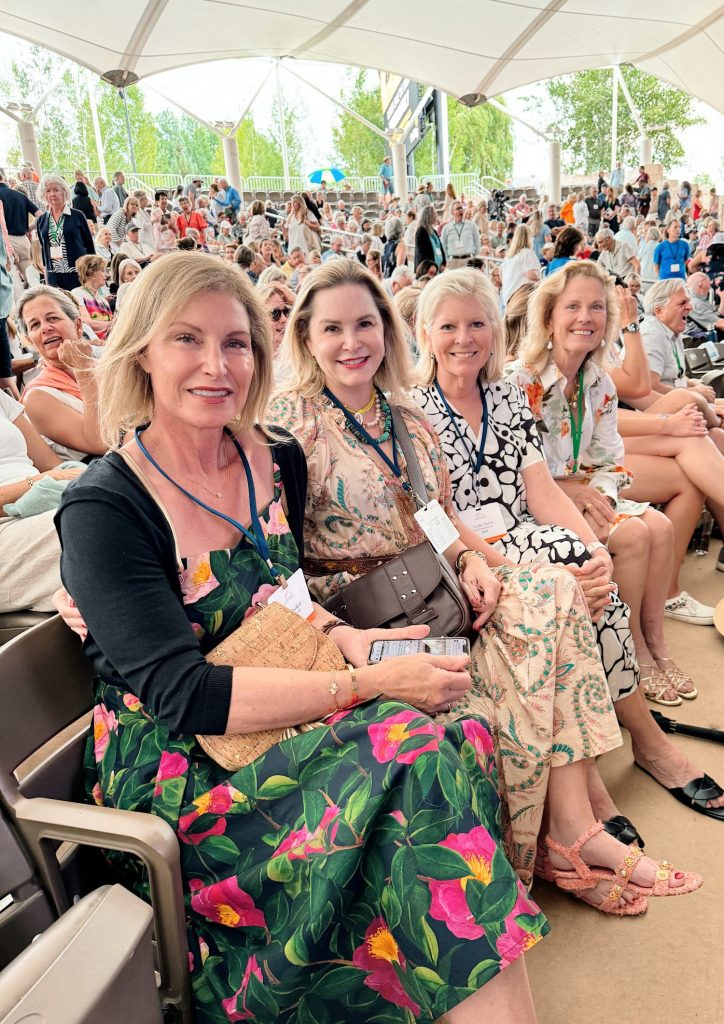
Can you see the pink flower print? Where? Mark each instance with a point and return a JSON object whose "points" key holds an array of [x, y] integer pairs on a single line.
{"points": [[97, 794], [516, 940], [104, 723], [231, 1005], [388, 736], [337, 716], [216, 801], [399, 818], [260, 598], [377, 954], [131, 701], [449, 904], [476, 734], [171, 766], [277, 523], [299, 845], [197, 579], [225, 903]]}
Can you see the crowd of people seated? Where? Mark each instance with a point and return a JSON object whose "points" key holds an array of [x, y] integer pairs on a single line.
{"points": [[215, 420]]}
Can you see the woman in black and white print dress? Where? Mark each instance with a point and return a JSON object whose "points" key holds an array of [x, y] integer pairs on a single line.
{"points": [[494, 496]]}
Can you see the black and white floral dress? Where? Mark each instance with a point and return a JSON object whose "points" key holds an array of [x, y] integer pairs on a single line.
{"points": [[512, 445]]}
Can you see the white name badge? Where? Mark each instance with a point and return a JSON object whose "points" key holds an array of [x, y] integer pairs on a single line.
{"points": [[674, 268], [295, 596], [56, 252], [437, 526], [487, 521], [458, 245]]}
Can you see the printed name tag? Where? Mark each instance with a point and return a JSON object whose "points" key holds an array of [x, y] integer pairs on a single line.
{"points": [[487, 521], [56, 252], [295, 596], [437, 526], [674, 268], [458, 245]]}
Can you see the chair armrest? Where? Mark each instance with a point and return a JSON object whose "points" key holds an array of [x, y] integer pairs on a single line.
{"points": [[149, 837]]}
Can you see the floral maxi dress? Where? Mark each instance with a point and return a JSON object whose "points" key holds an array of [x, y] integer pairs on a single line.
{"points": [[352, 873], [537, 676]]}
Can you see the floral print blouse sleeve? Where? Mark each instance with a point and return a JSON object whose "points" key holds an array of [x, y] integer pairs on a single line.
{"points": [[600, 459]]}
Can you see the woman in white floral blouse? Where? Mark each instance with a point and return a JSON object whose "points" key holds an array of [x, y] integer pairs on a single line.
{"points": [[573, 320]]}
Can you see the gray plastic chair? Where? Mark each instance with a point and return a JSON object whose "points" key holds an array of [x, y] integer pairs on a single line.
{"points": [[46, 696], [94, 964]]}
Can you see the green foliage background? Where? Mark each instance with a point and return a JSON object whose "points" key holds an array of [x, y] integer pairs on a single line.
{"points": [[583, 104]]}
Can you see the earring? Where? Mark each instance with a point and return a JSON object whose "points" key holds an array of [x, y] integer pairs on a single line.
{"points": [[549, 346], [603, 342]]}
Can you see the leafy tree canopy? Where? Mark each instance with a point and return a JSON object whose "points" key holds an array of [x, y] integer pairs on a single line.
{"points": [[481, 142], [358, 151], [583, 104]]}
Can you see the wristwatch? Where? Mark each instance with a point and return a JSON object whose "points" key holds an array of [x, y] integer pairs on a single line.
{"points": [[632, 328], [595, 546]]}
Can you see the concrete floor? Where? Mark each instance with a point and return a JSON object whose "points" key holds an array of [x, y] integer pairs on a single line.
{"points": [[666, 967]]}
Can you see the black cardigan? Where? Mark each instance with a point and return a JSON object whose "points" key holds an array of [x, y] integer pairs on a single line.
{"points": [[118, 562], [424, 250], [78, 239]]}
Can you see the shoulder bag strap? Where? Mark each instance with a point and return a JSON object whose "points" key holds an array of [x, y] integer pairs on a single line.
{"points": [[414, 472]]}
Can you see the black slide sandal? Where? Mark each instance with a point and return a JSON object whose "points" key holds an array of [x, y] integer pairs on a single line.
{"points": [[695, 794], [624, 830]]}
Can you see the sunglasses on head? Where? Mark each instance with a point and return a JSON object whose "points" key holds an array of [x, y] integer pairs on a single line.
{"points": [[276, 314]]}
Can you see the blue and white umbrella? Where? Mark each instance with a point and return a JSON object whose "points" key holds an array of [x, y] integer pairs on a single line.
{"points": [[326, 174]]}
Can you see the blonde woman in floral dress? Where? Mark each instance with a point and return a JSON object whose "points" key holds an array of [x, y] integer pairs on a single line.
{"points": [[572, 323], [535, 667]]}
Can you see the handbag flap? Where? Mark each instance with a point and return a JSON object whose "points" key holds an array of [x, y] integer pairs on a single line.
{"points": [[373, 600]]}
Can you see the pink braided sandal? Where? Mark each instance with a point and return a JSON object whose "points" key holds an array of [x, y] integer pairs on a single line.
{"points": [[662, 885], [584, 878]]}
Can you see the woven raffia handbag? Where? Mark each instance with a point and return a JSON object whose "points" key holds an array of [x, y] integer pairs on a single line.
{"points": [[274, 637]]}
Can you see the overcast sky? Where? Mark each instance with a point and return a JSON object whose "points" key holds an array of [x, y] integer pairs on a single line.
{"points": [[220, 91]]}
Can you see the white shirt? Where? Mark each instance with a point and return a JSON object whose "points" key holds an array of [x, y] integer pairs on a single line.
{"points": [[665, 352], [15, 465], [514, 270]]}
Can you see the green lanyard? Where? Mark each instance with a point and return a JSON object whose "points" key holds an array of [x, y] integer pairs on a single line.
{"points": [[54, 227], [676, 356], [577, 427]]}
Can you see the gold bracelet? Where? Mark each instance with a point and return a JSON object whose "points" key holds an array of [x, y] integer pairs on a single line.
{"points": [[29, 480], [334, 690], [354, 684], [464, 556]]}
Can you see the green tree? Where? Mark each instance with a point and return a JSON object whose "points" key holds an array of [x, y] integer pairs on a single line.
{"points": [[481, 143], [64, 124], [358, 151], [260, 151], [185, 146], [583, 107]]}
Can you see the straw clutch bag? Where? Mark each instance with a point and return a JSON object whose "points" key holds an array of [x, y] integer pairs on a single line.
{"points": [[273, 638]]}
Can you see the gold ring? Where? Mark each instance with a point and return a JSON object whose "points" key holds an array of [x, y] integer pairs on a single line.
{"points": [[587, 506]]}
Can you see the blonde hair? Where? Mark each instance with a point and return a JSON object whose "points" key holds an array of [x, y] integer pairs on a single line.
{"points": [[272, 274], [302, 374], [533, 351], [515, 321], [125, 394], [521, 240], [405, 302], [86, 266], [458, 284]]}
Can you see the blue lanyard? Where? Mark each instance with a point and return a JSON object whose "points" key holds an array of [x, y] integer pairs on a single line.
{"points": [[358, 428], [257, 537], [480, 457]]}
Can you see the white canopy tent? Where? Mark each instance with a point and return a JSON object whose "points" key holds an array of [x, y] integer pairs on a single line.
{"points": [[473, 49]]}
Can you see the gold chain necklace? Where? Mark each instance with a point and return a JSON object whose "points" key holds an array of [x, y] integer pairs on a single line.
{"points": [[359, 413], [218, 494]]}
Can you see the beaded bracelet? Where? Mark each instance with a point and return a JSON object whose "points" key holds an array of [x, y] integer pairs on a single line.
{"points": [[462, 558]]}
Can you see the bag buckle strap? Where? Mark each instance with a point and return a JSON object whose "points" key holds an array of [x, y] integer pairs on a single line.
{"points": [[411, 601]]}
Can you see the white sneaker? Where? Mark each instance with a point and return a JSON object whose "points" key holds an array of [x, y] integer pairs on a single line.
{"points": [[687, 609]]}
